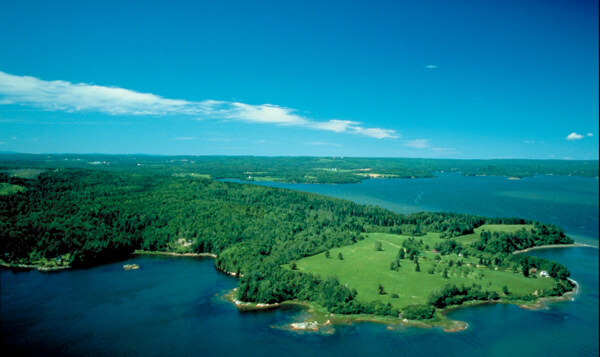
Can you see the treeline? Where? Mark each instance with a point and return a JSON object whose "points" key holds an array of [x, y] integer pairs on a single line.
{"points": [[277, 285], [452, 294], [505, 242], [456, 295], [87, 217]]}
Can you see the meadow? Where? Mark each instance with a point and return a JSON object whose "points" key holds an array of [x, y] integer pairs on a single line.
{"points": [[364, 268]]}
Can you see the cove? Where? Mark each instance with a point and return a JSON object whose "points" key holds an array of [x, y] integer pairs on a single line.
{"points": [[174, 306]]}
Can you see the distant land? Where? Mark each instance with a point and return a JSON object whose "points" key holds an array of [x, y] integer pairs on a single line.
{"points": [[302, 169]]}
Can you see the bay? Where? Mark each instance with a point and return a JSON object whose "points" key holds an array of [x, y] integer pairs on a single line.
{"points": [[568, 201], [175, 306]]}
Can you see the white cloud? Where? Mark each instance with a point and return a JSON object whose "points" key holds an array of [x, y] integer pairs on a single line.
{"points": [[265, 113], [336, 125], [574, 136], [66, 96], [431, 66], [418, 143], [589, 134], [375, 132], [529, 141], [81, 97], [185, 138]]}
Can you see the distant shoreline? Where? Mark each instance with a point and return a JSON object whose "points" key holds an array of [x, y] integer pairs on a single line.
{"points": [[146, 252], [43, 269], [554, 246]]}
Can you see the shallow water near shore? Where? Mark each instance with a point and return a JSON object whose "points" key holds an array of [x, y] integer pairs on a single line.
{"points": [[174, 306]]}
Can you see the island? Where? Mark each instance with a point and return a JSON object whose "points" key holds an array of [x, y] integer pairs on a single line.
{"points": [[344, 261]]}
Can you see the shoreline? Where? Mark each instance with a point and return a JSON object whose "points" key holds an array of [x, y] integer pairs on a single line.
{"points": [[321, 321], [554, 246], [40, 268], [172, 254]]}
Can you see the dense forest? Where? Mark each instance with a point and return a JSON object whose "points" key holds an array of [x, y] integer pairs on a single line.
{"points": [[301, 169], [82, 217]]}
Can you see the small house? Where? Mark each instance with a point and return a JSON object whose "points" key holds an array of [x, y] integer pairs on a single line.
{"points": [[544, 274]]}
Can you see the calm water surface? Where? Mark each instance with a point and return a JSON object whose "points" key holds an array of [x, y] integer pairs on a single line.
{"points": [[570, 202], [174, 306]]}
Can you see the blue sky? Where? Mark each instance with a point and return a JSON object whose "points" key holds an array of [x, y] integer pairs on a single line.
{"points": [[445, 79]]}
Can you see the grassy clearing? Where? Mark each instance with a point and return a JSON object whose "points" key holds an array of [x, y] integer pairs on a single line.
{"points": [[24, 173], [9, 189], [508, 228], [268, 178], [363, 268]]}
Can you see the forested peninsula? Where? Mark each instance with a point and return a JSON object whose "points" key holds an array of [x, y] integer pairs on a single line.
{"points": [[283, 245]]}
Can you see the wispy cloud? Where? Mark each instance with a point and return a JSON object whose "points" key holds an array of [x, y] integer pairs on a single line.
{"points": [[323, 143], [431, 66], [589, 134], [82, 97], [183, 138], [418, 143], [339, 126], [374, 132], [574, 136]]}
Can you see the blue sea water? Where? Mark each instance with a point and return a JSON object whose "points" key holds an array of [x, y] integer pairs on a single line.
{"points": [[175, 306], [568, 201]]}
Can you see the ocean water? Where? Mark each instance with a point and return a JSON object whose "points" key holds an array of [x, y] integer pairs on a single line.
{"points": [[568, 201], [175, 306]]}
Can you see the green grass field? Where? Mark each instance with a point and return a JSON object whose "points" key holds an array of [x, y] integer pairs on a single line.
{"points": [[363, 268], [9, 189]]}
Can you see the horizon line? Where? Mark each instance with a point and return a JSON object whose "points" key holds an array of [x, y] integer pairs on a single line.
{"points": [[291, 156]]}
